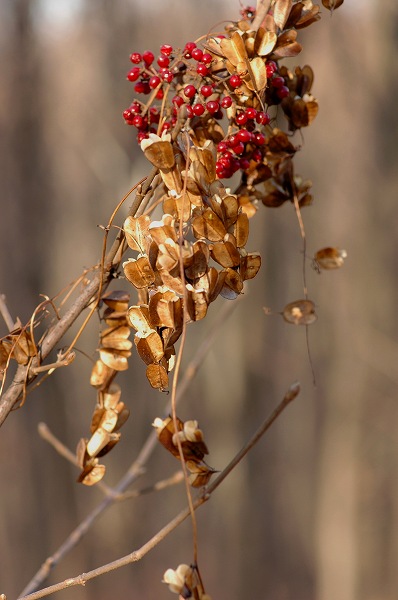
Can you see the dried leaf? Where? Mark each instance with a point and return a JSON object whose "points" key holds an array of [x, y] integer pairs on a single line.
{"points": [[159, 151], [234, 48], [196, 303], [250, 265], [138, 317], [136, 231], [257, 74], [139, 271], [264, 42], [150, 347], [232, 284], [281, 12], [208, 226], [157, 377], [300, 312], [225, 254], [200, 473], [241, 230], [115, 359], [92, 473]]}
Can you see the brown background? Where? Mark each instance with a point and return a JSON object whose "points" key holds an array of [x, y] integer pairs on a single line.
{"points": [[312, 513]]}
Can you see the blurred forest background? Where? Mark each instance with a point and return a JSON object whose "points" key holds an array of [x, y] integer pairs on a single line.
{"points": [[312, 512]]}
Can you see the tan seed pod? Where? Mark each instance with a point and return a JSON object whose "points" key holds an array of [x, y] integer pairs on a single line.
{"points": [[139, 271], [250, 265], [136, 230], [208, 226], [138, 317], [157, 377], [92, 473], [101, 375], [300, 312], [150, 347], [329, 258], [225, 254], [115, 359]]}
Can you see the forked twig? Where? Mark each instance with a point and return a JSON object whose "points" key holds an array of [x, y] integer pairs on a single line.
{"points": [[136, 555]]}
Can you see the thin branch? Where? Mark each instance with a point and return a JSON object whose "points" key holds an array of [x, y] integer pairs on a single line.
{"points": [[136, 555]]}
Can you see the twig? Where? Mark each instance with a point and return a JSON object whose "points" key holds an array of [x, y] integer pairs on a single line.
{"points": [[5, 313], [136, 555], [138, 465]]}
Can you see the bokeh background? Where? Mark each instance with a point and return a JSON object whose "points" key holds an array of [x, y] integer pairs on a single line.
{"points": [[312, 512]]}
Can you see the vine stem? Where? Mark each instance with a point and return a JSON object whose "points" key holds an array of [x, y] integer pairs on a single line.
{"points": [[137, 555]]}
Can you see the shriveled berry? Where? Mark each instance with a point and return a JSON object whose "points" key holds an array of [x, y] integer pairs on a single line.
{"points": [[226, 102], [235, 81], [197, 54], [251, 113], [166, 49], [206, 90], [282, 92], [135, 58], [207, 58], [241, 118], [154, 82], [244, 163], [262, 118], [202, 70], [219, 115], [198, 109], [189, 91], [148, 57], [133, 74], [244, 136], [213, 106]]}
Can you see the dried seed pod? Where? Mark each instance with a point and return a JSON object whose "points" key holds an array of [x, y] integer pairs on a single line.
{"points": [[332, 4], [300, 312], [329, 258], [139, 271], [157, 376], [136, 231]]}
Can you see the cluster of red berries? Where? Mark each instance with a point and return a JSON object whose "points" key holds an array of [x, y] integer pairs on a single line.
{"points": [[200, 93]]}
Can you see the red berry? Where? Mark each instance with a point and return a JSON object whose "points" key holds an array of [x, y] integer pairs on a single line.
{"points": [[134, 74], [207, 58], [282, 92], [198, 109], [257, 155], [244, 136], [127, 114], [189, 91], [167, 76], [251, 113], [138, 121], [163, 61], [270, 68], [189, 46], [232, 141], [141, 135], [177, 100], [235, 81], [166, 49], [244, 163], [197, 53], [206, 90], [136, 58], [277, 82], [262, 118], [222, 146], [213, 106], [148, 57], [241, 118], [239, 148], [154, 115], [136, 108], [166, 126], [154, 82], [189, 111], [226, 102], [160, 94], [142, 87], [202, 70], [259, 139]]}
